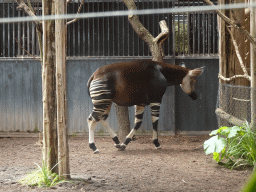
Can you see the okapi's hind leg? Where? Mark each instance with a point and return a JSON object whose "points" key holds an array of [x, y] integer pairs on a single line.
{"points": [[102, 117], [92, 124], [139, 110], [111, 132], [155, 110]]}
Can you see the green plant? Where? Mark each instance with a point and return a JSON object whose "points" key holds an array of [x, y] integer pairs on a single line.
{"points": [[232, 146], [43, 177]]}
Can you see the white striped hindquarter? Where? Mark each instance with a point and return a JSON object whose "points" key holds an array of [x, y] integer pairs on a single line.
{"points": [[101, 96]]}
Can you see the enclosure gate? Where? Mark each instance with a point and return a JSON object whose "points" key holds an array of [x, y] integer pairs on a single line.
{"points": [[99, 41]]}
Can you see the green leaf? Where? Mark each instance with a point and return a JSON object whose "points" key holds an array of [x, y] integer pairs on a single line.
{"points": [[216, 156], [214, 144], [214, 132], [234, 131]]}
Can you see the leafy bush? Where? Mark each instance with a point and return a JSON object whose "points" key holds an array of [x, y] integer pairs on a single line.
{"points": [[232, 146]]}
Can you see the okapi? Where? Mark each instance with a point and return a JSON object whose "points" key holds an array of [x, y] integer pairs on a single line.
{"points": [[138, 83]]}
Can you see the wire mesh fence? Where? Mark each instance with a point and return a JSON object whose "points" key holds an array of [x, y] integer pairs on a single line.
{"points": [[234, 104]]}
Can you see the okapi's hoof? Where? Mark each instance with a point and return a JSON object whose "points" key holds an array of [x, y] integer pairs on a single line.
{"points": [[117, 146], [96, 151], [122, 147], [159, 147]]}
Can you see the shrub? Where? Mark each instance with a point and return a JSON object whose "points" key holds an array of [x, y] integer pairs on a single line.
{"points": [[232, 146]]}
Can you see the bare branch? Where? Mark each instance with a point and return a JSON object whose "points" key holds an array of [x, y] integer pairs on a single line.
{"points": [[233, 77], [237, 52], [155, 44], [23, 6], [235, 23], [79, 9]]}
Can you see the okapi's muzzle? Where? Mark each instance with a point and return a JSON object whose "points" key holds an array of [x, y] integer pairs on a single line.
{"points": [[193, 95]]}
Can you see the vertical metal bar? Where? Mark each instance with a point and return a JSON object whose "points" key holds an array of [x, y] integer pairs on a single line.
{"points": [[108, 30], [188, 33], [178, 30], [209, 25], [98, 29], [103, 30], [173, 32], [88, 32], [123, 31], [214, 20], [84, 31], [19, 30], [78, 35], [183, 34], [198, 28], [33, 37], [28, 37], [4, 32], [74, 33], [194, 37], [204, 22], [118, 42], [14, 36], [9, 32], [23, 37]]}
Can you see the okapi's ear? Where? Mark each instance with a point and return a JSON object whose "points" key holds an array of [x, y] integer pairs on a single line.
{"points": [[182, 64], [196, 72]]}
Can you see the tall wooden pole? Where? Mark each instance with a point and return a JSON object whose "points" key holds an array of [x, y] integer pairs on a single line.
{"points": [[49, 90], [60, 38], [253, 65]]}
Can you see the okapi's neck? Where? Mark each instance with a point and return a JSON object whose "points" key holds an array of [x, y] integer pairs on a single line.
{"points": [[174, 73]]}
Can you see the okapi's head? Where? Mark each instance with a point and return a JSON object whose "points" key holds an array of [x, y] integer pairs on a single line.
{"points": [[189, 81]]}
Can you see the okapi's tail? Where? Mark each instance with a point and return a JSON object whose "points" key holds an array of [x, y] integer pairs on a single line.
{"points": [[89, 83]]}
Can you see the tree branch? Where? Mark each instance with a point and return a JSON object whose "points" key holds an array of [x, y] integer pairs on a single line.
{"points": [[233, 77], [30, 12], [237, 52], [155, 44], [79, 9]]}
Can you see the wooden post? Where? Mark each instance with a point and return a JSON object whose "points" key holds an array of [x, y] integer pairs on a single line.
{"points": [[60, 37], [253, 65], [49, 90]]}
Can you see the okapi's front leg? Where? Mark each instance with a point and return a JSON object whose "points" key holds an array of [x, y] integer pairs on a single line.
{"points": [[155, 110], [139, 110]]}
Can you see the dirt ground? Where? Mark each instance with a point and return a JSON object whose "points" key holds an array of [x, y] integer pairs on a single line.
{"points": [[180, 165]]}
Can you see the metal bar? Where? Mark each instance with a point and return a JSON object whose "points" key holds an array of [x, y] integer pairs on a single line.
{"points": [[208, 39], [74, 33], [78, 35], [118, 43], [113, 34], [198, 29], [183, 34], [194, 35], [4, 31], [9, 32], [23, 37], [14, 36], [88, 27], [84, 31], [204, 33], [108, 21], [178, 30], [173, 33], [214, 34], [19, 29], [28, 37]]}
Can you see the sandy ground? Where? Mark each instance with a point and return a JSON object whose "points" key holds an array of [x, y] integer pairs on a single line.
{"points": [[180, 165]]}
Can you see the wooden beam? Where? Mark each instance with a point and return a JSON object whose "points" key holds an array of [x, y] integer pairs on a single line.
{"points": [[60, 39], [230, 118]]}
